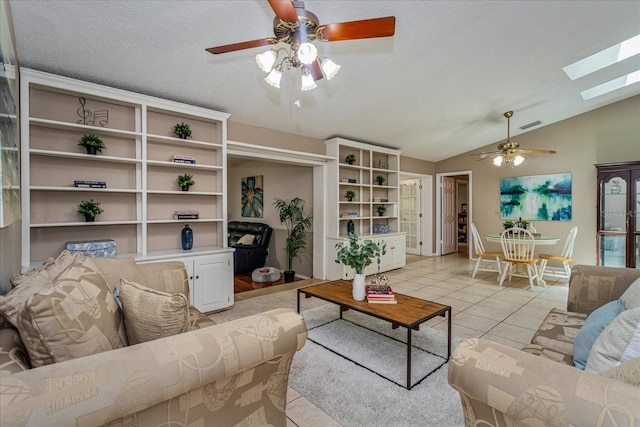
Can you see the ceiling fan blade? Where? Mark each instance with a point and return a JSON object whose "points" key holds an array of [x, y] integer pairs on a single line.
{"points": [[284, 10], [364, 29], [242, 45], [315, 71], [486, 153], [538, 151]]}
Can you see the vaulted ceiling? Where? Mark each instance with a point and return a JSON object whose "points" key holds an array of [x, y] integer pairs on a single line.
{"points": [[437, 88]]}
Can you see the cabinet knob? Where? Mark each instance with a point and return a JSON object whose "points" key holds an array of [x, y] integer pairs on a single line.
{"points": [[190, 277], [197, 277]]}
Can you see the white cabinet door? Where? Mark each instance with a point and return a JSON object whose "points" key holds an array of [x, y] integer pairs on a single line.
{"points": [[213, 282], [398, 251]]}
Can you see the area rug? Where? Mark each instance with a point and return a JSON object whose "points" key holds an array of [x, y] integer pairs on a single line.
{"points": [[365, 390]]}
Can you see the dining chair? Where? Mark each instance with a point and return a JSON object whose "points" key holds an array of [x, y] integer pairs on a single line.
{"points": [[491, 259], [563, 272], [518, 248]]}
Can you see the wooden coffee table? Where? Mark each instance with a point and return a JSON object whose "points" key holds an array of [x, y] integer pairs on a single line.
{"points": [[409, 312]]}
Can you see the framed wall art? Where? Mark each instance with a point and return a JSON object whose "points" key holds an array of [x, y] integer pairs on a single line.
{"points": [[536, 198], [252, 197]]}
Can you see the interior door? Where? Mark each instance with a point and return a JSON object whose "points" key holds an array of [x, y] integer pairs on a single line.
{"points": [[449, 223], [410, 214]]}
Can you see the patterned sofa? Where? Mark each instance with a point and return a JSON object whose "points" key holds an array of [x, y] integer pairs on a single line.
{"points": [[230, 374], [539, 385]]}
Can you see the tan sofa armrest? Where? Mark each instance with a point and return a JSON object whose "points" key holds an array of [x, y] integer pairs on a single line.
{"points": [[506, 387], [212, 376], [591, 287]]}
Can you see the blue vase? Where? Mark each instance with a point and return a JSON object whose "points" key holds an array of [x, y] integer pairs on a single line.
{"points": [[351, 228], [187, 238]]}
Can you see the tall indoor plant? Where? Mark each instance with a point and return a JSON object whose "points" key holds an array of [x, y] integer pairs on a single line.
{"points": [[298, 225], [358, 255]]}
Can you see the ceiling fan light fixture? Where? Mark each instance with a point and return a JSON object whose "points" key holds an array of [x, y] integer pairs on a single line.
{"points": [[266, 60], [329, 68], [518, 159], [307, 53], [497, 160], [274, 77], [307, 82]]}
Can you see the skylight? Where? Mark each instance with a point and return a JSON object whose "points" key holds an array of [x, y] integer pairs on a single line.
{"points": [[611, 85], [604, 58]]}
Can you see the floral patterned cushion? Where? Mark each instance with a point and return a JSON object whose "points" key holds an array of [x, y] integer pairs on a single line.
{"points": [[557, 333], [74, 316], [30, 283]]}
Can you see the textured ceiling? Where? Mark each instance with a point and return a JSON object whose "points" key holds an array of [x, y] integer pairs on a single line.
{"points": [[436, 89]]}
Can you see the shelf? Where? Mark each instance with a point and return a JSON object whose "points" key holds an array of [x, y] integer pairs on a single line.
{"points": [[174, 140], [55, 124], [182, 165], [82, 189], [142, 195], [82, 224], [92, 157]]}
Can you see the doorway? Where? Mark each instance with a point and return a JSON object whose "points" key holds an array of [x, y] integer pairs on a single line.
{"points": [[449, 207], [415, 209]]}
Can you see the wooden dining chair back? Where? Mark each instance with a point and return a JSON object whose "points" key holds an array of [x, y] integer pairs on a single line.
{"points": [[487, 261], [518, 248], [564, 271]]}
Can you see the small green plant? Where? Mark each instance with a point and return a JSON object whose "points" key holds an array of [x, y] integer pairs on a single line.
{"points": [[381, 179], [350, 159], [183, 130], [93, 142], [349, 194], [359, 255], [89, 208], [381, 210], [508, 224], [185, 180]]}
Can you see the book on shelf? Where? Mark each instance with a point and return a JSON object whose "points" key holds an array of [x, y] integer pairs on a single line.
{"points": [[179, 158], [90, 184], [186, 215], [380, 199], [349, 180]]}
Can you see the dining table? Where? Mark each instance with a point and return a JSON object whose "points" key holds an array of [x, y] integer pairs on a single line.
{"points": [[540, 239]]}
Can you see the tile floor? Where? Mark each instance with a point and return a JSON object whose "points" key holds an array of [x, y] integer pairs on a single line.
{"points": [[509, 314]]}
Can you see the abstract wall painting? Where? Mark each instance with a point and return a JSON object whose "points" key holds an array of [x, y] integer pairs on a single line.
{"points": [[252, 197], [536, 198]]}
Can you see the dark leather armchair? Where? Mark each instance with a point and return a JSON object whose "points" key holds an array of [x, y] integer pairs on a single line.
{"points": [[249, 255]]}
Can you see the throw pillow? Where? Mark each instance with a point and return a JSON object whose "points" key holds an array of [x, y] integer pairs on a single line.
{"points": [[628, 372], [247, 239], [32, 282], [151, 314], [631, 297], [114, 269], [593, 325], [74, 316], [619, 342]]}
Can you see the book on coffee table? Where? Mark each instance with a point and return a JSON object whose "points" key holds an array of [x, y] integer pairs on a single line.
{"points": [[378, 294]]}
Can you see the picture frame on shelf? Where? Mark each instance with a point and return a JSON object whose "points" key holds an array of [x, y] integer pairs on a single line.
{"points": [[382, 164], [464, 208]]}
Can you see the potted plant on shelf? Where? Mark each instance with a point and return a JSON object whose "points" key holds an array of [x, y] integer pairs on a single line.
{"points": [[92, 143], [381, 210], [381, 179], [185, 181], [358, 255], [89, 208], [183, 130], [350, 159], [349, 194], [292, 214]]}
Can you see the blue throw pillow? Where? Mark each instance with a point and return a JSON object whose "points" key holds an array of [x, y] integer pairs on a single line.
{"points": [[593, 326]]}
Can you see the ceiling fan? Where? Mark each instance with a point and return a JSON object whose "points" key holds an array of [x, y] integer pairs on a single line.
{"points": [[297, 27], [509, 152]]}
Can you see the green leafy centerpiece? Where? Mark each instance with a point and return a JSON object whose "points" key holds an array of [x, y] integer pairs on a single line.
{"points": [[358, 255]]}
